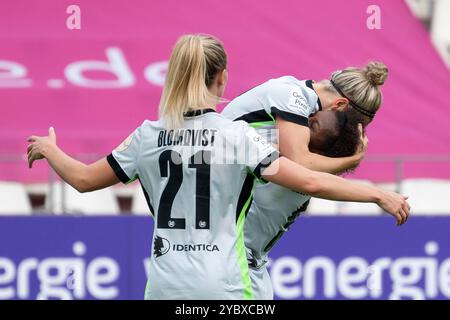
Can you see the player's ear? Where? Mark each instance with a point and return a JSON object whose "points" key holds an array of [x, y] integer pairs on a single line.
{"points": [[223, 77], [340, 104]]}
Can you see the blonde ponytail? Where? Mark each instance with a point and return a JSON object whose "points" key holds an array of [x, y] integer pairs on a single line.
{"points": [[361, 87], [195, 61]]}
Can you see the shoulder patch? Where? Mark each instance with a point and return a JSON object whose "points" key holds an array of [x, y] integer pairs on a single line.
{"points": [[125, 144], [298, 100]]}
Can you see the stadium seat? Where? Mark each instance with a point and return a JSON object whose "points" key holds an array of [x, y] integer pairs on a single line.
{"points": [[322, 207], [357, 208], [139, 205], [427, 196], [101, 202], [14, 199]]}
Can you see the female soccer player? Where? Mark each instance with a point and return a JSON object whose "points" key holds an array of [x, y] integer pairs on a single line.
{"points": [[286, 103], [274, 208], [198, 170]]}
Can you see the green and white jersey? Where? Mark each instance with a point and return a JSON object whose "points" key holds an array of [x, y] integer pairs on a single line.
{"points": [[287, 97], [274, 208], [198, 181]]}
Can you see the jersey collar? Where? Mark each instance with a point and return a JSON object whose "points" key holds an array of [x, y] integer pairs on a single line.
{"points": [[309, 84], [198, 112]]}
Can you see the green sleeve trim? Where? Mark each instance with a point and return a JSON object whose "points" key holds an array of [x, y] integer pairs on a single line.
{"points": [[261, 124], [133, 179]]}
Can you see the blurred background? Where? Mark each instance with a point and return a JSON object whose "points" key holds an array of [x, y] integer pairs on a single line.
{"points": [[94, 70]]}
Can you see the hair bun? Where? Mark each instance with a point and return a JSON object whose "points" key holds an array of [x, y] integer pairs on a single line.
{"points": [[376, 73]]}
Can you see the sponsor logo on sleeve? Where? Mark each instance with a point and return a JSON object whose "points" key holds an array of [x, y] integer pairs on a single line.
{"points": [[125, 144], [297, 100]]}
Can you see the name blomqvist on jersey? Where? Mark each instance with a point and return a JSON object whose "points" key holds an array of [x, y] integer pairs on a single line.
{"points": [[222, 145]]}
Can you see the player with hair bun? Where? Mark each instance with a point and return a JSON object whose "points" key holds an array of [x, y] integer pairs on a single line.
{"points": [[317, 124]]}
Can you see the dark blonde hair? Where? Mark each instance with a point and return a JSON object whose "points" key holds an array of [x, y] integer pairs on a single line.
{"points": [[361, 86]]}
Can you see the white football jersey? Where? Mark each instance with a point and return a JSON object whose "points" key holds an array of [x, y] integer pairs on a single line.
{"points": [[287, 97], [198, 181], [274, 208]]}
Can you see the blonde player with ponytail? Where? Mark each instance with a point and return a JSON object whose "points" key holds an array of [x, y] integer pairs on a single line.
{"points": [[196, 78], [197, 170]]}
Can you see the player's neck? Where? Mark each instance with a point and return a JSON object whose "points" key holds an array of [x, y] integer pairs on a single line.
{"points": [[321, 92], [325, 96]]}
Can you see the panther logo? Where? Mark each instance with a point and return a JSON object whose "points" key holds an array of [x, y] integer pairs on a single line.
{"points": [[160, 246]]}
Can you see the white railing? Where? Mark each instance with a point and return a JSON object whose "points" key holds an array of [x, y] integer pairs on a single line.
{"points": [[47, 187]]}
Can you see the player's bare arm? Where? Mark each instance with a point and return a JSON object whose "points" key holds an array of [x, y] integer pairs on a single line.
{"points": [[327, 186], [293, 144], [82, 177]]}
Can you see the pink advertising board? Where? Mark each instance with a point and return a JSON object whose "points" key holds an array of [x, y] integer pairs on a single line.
{"points": [[96, 84]]}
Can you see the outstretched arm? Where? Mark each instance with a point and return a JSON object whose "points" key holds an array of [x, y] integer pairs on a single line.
{"points": [[82, 177], [293, 143], [327, 186]]}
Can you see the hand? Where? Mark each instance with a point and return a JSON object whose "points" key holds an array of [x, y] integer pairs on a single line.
{"points": [[38, 146], [363, 142], [396, 205], [356, 159]]}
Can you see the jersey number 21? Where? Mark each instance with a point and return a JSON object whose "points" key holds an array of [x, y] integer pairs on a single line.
{"points": [[171, 166]]}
